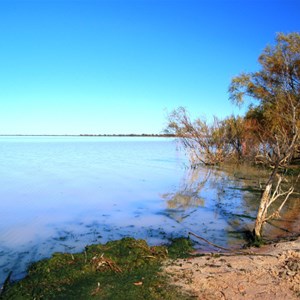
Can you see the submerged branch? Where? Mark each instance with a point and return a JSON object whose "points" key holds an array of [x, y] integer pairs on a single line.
{"points": [[210, 243]]}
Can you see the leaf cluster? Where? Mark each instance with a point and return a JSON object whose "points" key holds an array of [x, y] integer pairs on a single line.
{"points": [[276, 86], [269, 132]]}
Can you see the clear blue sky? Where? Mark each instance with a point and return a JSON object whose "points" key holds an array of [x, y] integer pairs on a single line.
{"points": [[71, 67]]}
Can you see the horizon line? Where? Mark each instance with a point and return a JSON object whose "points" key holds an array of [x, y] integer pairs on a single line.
{"points": [[99, 135]]}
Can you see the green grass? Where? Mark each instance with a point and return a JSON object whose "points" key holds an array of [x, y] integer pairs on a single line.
{"points": [[123, 269]]}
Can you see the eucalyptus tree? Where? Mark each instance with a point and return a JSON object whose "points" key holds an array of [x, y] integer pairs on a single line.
{"points": [[205, 142], [276, 115]]}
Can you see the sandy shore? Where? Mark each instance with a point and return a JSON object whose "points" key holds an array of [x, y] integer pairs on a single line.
{"points": [[270, 272]]}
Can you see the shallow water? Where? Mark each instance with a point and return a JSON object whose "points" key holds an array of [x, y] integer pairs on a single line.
{"points": [[62, 193]]}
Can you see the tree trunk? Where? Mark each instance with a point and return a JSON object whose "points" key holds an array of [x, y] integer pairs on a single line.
{"points": [[262, 210], [263, 206]]}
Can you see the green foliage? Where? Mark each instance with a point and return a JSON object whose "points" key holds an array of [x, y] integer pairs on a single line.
{"points": [[205, 142], [180, 248], [276, 87], [278, 77], [123, 269]]}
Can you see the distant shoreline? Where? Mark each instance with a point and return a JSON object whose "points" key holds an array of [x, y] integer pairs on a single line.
{"points": [[90, 135]]}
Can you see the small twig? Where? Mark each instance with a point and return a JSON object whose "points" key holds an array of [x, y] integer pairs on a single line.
{"points": [[85, 257], [113, 267], [223, 295], [226, 254], [149, 256]]}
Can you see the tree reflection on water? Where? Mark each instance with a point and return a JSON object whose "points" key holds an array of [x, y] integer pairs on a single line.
{"points": [[183, 202], [221, 203]]}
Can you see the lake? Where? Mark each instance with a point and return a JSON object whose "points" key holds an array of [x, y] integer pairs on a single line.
{"points": [[63, 193]]}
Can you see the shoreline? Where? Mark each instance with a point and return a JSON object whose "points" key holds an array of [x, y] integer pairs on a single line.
{"points": [[267, 273], [270, 272]]}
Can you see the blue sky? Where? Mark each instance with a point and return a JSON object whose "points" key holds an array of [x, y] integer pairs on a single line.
{"points": [[88, 66]]}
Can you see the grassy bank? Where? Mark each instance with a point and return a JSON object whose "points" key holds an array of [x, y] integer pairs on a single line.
{"points": [[123, 269]]}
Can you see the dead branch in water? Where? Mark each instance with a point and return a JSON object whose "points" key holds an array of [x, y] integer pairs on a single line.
{"points": [[232, 252], [210, 243]]}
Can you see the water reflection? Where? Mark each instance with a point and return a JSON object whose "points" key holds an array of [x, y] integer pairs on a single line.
{"points": [[186, 199], [220, 204]]}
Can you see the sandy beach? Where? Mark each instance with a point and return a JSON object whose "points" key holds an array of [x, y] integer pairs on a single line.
{"points": [[269, 272]]}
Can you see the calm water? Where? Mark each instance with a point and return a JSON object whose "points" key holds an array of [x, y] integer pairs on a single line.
{"points": [[62, 193]]}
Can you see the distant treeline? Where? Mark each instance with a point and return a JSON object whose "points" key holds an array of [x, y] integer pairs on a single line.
{"points": [[98, 135], [131, 135]]}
